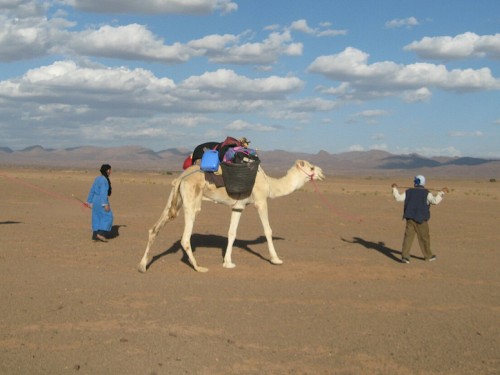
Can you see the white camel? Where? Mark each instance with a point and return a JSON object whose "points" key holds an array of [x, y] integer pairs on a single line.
{"points": [[190, 188]]}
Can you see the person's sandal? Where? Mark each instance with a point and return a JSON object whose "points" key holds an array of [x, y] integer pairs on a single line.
{"points": [[101, 238]]}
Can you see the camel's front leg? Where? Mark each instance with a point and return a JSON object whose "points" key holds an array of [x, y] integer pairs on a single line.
{"points": [[268, 232], [231, 236]]}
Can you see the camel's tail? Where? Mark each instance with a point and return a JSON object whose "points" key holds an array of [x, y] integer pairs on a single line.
{"points": [[175, 199]]}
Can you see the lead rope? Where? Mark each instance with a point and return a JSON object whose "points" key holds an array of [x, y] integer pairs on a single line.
{"points": [[45, 191], [333, 209], [327, 203]]}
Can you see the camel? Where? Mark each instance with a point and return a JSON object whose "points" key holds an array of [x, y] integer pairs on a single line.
{"points": [[191, 187]]}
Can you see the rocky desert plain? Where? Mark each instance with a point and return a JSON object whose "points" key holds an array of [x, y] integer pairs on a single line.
{"points": [[341, 303]]}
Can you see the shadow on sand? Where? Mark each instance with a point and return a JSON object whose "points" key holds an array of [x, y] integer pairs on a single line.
{"points": [[10, 222], [380, 247], [115, 231], [212, 241]]}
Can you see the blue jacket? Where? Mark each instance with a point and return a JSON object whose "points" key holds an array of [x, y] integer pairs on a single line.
{"points": [[416, 206]]}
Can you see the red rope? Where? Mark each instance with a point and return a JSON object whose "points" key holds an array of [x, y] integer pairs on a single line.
{"points": [[334, 210], [45, 191]]}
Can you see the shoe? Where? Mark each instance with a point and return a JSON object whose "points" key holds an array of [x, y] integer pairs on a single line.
{"points": [[432, 258], [404, 260], [100, 237]]}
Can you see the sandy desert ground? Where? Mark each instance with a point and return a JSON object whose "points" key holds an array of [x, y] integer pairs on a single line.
{"points": [[340, 304]]}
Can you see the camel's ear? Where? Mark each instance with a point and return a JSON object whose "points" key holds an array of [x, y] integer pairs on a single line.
{"points": [[299, 163]]}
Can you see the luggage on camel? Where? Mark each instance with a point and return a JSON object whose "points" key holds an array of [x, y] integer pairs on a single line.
{"points": [[228, 143], [200, 150], [197, 153], [239, 169], [210, 161], [239, 155], [238, 163], [187, 162], [212, 157], [221, 147], [239, 178]]}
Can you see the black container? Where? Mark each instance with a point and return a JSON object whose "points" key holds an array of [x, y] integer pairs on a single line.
{"points": [[239, 178]]}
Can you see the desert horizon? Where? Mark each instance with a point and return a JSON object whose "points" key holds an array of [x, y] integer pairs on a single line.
{"points": [[353, 163]]}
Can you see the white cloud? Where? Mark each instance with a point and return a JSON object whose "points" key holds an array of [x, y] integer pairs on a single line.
{"points": [[194, 7], [64, 93], [331, 32], [240, 125], [130, 42], [266, 52], [227, 83], [323, 30], [366, 81], [30, 37], [213, 42], [382, 147], [188, 121], [461, 46], [497, 122], [370, 116], [312, 105], [67, 75], [301, 25], [422, 94], [372, 113], [23, 8], [356, 148], [26, 38], [402, 22], [467, 134], [131, 102]]}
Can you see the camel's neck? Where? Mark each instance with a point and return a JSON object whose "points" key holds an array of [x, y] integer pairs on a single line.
{"points": [[292, 181]]}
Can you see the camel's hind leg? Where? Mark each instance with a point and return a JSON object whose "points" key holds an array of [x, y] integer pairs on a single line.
{"points": [[189, 217], [153, 232], [192, 205]]}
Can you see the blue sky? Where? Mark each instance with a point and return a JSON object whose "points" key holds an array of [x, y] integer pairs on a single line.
{"points": [[396, 75]]}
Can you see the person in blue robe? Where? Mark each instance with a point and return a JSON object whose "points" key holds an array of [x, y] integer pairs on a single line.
{"points": [[98, 200]]}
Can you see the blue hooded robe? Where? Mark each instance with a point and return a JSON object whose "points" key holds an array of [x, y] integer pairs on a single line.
{"points": [[102, 220]]}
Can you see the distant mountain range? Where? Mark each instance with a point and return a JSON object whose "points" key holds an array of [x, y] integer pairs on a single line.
{"points": [[373, 162]]}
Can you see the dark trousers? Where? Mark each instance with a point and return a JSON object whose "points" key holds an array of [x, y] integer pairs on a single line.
{"points": [[424, 238]]}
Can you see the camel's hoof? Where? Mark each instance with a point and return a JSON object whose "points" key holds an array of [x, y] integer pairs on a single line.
{"points": [[276, 261], [201, 269], [141, 268], [228, 265]]}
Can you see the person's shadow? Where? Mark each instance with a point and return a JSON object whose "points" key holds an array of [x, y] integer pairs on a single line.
{"points": [[211, 241], [378, 246], [115, 231]]}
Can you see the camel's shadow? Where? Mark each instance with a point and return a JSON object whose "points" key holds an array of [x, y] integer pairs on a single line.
{"points": [[211, 241], [10, 222], [380, 247]]}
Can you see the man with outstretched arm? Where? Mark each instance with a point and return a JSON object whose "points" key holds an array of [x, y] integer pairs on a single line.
{"points": [[417, 201]]}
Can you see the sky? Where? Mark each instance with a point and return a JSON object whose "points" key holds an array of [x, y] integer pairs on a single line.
{"points": [[401, 76]]}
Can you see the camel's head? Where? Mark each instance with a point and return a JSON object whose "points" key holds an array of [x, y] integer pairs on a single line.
{"points": [[312, 171]]}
